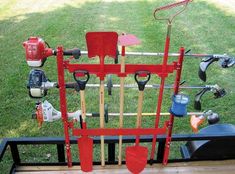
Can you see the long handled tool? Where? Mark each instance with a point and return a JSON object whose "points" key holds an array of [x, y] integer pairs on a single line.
{"points": [[136, 156], [102, 44], [124, 40], [85, 144], [183, 3]]}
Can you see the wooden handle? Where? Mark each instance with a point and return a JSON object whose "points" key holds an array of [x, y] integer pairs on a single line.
{"points": [[139, 111], [121, 109], [139, 115], [83, 105], [123, 64], [102, 104], [102, 120]]}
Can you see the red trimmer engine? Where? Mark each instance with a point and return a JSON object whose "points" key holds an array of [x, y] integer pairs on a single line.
{"points": [[36, 51]]}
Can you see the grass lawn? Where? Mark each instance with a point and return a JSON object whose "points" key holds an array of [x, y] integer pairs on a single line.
{"points": [[204, 28]]}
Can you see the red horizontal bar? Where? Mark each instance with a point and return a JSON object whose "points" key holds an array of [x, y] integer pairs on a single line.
{"points": [[115, 68], [112, 131]]}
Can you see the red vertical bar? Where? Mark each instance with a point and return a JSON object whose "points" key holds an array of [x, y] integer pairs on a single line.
{"points": [[166, 51], [63, 106], [171, 121], [159, 104], [161, 90]]}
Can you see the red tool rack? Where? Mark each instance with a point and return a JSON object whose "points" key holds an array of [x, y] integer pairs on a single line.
{"points": [[161, 70]]}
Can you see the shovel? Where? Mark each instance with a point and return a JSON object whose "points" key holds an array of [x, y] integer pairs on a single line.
{"points": [[85, 144], [124, 40], [102, 44], [136, 156]]}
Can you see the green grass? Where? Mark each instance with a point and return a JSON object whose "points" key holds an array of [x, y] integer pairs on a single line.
{"points": [[203, 28]]}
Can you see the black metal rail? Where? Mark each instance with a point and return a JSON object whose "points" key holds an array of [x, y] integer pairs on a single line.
{"points": [[14, 143]]}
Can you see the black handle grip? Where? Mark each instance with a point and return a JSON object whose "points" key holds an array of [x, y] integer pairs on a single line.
{"points": [[203, 67], [116, 58], [76, 53], [142, 83], [81, 83], [106, 114], [110, 84]]}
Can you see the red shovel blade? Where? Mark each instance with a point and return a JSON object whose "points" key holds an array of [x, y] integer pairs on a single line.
{"points": [[102, 44], [85, 146], [136, 158]]}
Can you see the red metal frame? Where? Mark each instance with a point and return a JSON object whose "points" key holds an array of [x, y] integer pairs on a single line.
{"points": [[119, 131], [171, 121], [160, 70], [63, 105], [116, 69]]}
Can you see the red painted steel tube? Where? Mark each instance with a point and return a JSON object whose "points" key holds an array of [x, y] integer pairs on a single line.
{"points": [[161, 91], [63, 106], [121, 131], [176, 90]]}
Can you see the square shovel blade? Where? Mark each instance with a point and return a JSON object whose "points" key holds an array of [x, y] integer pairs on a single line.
{"points": [[101, 44]]}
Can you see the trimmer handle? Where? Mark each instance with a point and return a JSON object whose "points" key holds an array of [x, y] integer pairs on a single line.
{"points": [[81, 82], [76, 53], [142, 83]]}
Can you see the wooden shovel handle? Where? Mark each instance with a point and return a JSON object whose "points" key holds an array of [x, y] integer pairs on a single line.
{"points": [[83, 105], [121, 108], [139, 110], [102, 120]]}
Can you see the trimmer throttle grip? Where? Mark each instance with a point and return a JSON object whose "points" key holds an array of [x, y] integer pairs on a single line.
{"points": [[74, 52]]}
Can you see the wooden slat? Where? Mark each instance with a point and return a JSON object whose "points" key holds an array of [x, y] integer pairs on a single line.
{"points": [[200, 167]]}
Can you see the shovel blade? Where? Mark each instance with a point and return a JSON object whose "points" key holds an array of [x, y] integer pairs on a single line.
{"points": [[136, 158], [85, 146], [102, 44]]}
